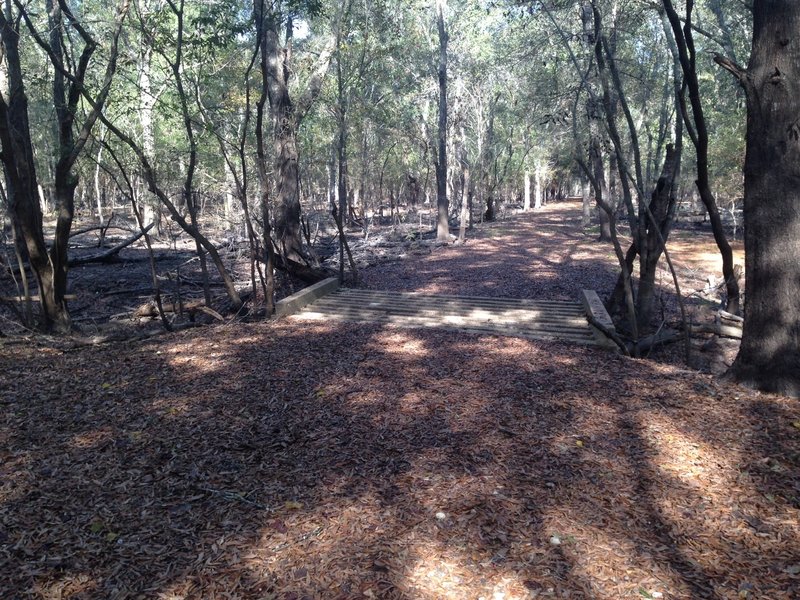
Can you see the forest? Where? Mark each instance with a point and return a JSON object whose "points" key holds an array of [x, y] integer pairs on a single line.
{"points": [[177, 174]]}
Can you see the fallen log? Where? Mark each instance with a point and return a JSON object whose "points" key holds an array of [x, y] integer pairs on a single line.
{"points": [[718, 329], [190, 307], [91, 228], [662, 338], [150, 309], [735, 319], [111, 253], [33, 298]]}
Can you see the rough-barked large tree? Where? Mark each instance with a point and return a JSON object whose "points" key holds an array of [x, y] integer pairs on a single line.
{"points": [[275, 28], [769, 356]]}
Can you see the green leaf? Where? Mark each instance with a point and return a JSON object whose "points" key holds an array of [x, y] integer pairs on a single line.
{"points": [[96, 526]]}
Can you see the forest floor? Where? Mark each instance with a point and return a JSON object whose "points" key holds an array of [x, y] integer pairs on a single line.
{"points": [[288, 460]]}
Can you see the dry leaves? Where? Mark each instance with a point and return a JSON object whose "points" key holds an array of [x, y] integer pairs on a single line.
{"points": [[329, 461]]}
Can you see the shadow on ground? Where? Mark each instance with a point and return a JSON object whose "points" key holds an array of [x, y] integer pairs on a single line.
{"points": [[350, 461]]}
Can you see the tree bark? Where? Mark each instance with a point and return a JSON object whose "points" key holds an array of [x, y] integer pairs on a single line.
{"points": [[586, 215], [443, 225], [769, 356], [287, 116], [527, 203], [596, 164]]}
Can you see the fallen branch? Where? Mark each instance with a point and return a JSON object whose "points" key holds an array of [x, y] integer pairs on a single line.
{"points": [[720, 330], [111, 253], [663, 338], [610, 334], [736, 319], [78, 232], [77, 343], [150, 309], [34, 298]]}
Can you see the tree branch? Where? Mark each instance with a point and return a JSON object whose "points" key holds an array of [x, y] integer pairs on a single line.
{"points": [[729, 65]]}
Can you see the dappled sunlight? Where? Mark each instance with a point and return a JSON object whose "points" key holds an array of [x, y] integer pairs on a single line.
{"points": [[205, 357], [693, 251], [175, 406], [66, 586], [442, 575], [397, 342], [608, 557], [91, 439], [687, 458], [359, 461]]}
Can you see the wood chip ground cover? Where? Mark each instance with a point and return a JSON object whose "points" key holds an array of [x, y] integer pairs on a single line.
{"points": [[288, 461]]}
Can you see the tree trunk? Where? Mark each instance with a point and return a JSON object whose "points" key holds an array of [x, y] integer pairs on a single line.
{"points": [[287, 215], [442, 224], [147, 98], [465, 185], [661, 206], [586, 215], [341, 152], [287, 116], [527, 205], [51, 268], [600, 176], [698, 131], [538, 192], [769, 356], [662, 209]]}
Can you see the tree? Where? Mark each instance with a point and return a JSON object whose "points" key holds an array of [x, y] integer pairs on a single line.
{"points": [[176, 65], [698, 132], [71, 66], [443, 227], [769, 356], [275, 26]]}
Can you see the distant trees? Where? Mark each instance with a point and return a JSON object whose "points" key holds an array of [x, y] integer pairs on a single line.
{"points": [[454, 109]]}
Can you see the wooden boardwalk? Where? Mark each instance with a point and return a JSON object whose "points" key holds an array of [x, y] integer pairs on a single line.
{"points": [[532, 319]]}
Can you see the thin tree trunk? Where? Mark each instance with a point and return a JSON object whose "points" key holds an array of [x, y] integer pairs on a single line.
{"points": [[443, 224], [50, 268], [586, 215], [698, 131], [527, 202], [600, 176]]}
